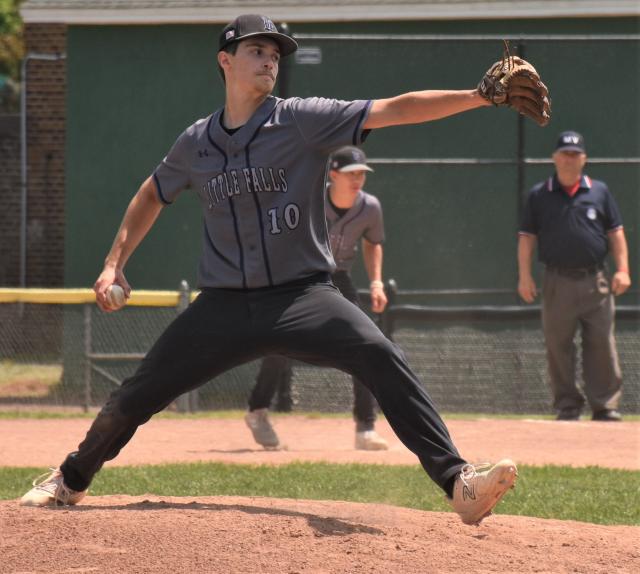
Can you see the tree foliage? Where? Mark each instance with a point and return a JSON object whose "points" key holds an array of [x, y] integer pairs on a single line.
{"points": [[11, 40], [11, 54]]}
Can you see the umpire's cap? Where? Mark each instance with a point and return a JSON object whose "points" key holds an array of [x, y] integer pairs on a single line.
{"points": [[348, 159], [249, 25], [570, 141]]}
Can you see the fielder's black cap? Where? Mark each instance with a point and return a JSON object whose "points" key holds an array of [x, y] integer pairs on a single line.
{"points": [[570, 141], [349, 158], [249, 25]]}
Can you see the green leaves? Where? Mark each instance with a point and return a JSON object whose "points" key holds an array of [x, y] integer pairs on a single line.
{"points": [[11, 43]]}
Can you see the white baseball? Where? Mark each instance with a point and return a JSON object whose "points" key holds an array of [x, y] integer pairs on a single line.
{"points": [[115, 296]]}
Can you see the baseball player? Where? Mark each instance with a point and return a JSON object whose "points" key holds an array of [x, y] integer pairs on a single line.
{"points": [[257, 166], [352, 216]]}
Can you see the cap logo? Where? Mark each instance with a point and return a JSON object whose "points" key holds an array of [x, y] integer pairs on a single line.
{"points": [[268, 25], [571, 140], [229, 34]]}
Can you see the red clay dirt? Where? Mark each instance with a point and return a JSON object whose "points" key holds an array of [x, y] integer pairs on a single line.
{"points": [[122, 534]]}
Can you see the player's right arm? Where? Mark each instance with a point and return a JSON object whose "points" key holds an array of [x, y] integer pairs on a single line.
{"points": [[372, 255], [419, 107], [140, 216], [526, 285]]}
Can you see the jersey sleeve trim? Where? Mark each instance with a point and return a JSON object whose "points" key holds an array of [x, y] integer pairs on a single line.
{"points": [[527, 233], [359, 135], [615, 228], [159, 190]]}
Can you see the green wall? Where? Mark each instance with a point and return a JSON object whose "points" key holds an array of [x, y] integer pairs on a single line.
{"points": [[132, 89]]}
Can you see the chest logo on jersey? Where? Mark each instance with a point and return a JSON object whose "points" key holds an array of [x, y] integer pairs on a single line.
{"points": [[591, 214], [249, 179]]}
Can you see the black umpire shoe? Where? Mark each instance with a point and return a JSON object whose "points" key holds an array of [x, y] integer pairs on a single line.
{"points": [[569, 414], [607, 415]]}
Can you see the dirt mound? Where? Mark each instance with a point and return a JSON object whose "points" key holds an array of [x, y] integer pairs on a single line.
{"points": [[151, 534], [122, 534]]}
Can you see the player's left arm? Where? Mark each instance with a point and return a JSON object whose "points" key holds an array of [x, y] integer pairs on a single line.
{"points": [[372, 255], [424, 106], [618, 245]]}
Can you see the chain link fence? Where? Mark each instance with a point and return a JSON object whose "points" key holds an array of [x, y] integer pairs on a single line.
{"points": [[476, 359]]}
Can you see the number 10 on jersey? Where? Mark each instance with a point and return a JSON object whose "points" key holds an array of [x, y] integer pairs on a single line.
{"points": [[290, 217]]}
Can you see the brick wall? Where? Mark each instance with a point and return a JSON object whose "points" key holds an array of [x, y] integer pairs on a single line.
{"points": [[46, 116], [9, 199]]}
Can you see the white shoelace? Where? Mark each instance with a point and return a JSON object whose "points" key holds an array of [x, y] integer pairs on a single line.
{"points": [[53, 484], [42, 482], [470, 471]]}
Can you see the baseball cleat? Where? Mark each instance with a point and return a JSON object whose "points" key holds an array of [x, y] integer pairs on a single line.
{"points": [[479, 488], [51, 491], [370, 440], [261, 429]]}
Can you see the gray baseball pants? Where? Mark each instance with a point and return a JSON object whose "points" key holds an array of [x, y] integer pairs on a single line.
{"points": [[569, 303], [308, 320]]}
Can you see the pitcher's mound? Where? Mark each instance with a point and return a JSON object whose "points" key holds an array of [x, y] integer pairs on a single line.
{"points": [[125, 534]]}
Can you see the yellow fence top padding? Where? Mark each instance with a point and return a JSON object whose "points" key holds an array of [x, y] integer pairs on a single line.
{"points": [[78, 296]]}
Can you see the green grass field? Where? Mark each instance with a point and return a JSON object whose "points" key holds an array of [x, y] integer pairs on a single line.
{"points": [[238, 414], [28, 380], [594, 494]]}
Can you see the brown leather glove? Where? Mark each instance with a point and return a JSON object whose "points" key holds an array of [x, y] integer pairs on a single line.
{"points": [[514, 82]]}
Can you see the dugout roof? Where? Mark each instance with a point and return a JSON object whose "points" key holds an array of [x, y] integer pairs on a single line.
{"points": [[217, 11]]}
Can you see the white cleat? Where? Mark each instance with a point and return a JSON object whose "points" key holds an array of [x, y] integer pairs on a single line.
{"points": [[479, 488], [261, 429], [52, 491], [370, 440]]}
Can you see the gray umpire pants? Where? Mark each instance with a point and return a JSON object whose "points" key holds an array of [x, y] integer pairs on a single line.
{"points": [[569, 303], [307, 320]]}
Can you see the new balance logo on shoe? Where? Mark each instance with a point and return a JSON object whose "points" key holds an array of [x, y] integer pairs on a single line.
{"points": [[479, 488], [468, 493]]}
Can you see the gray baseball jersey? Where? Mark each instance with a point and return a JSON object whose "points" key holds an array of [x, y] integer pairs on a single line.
{"points": [[262, 188], [364, 219]]}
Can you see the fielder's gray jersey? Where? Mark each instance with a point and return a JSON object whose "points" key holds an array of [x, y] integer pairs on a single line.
{"points": [[364, 219], [262, 188]]}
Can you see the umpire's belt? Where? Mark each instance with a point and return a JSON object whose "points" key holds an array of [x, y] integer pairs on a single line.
{"points": [[576, 272]]}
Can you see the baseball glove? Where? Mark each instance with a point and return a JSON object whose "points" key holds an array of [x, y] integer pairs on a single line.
{"points": [[514, 82]]}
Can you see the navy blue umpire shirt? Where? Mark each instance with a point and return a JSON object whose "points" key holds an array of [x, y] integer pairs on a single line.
{"points": [[571, 231]]}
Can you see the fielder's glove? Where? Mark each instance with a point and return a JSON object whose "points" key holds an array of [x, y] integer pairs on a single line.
{"points": [[514, 82]]}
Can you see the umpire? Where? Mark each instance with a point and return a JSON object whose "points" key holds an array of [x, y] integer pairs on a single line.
{"points": [[575, 222]]}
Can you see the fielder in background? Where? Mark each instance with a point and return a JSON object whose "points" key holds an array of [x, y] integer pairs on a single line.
{"points": [[258, 166], [575, 222], [352, 216]]}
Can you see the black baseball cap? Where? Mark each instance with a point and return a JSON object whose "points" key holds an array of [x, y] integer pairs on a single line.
{"points": [[570, 141], [249, 25], [349, 158]]}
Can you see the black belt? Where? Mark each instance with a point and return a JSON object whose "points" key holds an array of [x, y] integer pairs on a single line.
{"points": [[320, 277], [576, 272]]}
